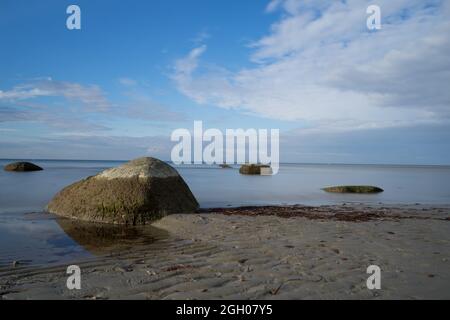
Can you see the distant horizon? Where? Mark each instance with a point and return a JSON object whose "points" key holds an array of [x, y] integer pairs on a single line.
{"points": [[281, 163]]}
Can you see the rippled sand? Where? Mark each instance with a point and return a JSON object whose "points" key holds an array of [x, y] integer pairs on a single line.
{"points": [[266, 253]]}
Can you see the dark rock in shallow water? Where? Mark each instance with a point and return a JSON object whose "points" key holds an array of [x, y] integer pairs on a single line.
{"points": [[22, 167], [353, 189], [255, 169], [225, 166], [140, 191]]}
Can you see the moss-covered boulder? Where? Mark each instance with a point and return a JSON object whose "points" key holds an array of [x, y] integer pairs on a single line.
{"points": [[22, 167], [135, 193], [255, 169], [353, 189]]}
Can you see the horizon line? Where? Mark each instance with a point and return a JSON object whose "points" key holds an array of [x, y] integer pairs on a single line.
{"points": [[281, 163]]}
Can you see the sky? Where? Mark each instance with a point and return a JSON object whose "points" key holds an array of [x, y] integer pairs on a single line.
{"points": [[137, 70]]}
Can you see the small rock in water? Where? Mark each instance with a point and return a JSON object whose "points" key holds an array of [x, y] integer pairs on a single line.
{"points": [[255, 169], [353, 189], [22, 167]]}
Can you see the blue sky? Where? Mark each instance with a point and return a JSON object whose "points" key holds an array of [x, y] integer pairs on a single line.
{"points": [[139, 69]]}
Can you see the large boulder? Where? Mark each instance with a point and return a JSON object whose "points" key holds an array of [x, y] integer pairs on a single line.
{"points": [[22, 167], [137, 192]]}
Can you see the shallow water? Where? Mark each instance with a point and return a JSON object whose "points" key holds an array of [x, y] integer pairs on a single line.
{"points": [[43, 239], [302, 184], [33, 238]]}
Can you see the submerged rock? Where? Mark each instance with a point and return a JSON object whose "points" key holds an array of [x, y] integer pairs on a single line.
{"points": [[137, 192], [255, 169], [353, 189], [22, 167]]}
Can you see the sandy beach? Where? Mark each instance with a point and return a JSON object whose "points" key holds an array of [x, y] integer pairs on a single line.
{"points": [[292, 252]]}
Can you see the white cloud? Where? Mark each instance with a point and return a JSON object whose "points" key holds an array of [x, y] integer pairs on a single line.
{"points": [[273, 5], [201, 37], [185, 66], [91, 95], [65, 120], [319, 64], [95, 114], [128, 82], [80, 146]]}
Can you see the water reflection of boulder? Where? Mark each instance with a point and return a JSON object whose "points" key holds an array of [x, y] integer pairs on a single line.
{"points": [[101, 238]]}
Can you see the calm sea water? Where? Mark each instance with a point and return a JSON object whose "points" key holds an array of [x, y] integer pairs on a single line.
{"points": [[30, 237]]}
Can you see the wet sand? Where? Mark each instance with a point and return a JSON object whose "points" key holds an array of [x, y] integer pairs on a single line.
{"points": [[290, 252]]}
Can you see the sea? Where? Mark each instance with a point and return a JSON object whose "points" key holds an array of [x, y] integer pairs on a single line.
{"points": [[28, 236]]}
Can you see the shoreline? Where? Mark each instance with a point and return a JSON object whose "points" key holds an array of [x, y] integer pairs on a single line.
{"points": [[267, 252]]}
